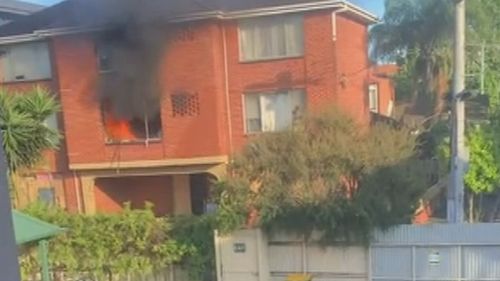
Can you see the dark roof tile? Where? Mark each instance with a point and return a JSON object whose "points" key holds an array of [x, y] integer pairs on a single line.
{"points": [[19, 7], [98, 13]]}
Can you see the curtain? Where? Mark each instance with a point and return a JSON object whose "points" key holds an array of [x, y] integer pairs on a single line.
{"points": [[252, 113], [27, 62], [275, 112], [270, 112], [271, 37], [294, 35], [297, 103]]}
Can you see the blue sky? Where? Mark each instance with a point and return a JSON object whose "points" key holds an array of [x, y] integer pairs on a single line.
{"points": [[373, 6]]}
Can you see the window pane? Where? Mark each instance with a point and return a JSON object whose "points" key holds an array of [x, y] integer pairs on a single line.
{"points": [[271, 37], [268, 103], [270, 112], [373, 98], [51, 122], [46, 195], [104, 56], [29, 61], [294, 35], [252, 113], [297, 103], [280, 110]]}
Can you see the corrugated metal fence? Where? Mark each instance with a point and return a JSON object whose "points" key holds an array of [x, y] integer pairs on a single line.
{"points": [[466, 252]]}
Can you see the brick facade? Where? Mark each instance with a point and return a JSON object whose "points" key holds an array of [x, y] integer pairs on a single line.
{"points": [[333, 71]]}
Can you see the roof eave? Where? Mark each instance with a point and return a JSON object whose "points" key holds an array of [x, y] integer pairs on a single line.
{"points": [[345, 7], [295, 8]]}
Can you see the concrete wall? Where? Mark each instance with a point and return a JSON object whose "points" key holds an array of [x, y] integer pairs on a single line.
{"points": [[251, 255]]}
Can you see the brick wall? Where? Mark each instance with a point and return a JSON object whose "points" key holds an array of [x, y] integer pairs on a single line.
{"points": [[188, 66], [112, 193], [333, 70], [52, 171], [382, 76], [352, 68], [193, 62]]}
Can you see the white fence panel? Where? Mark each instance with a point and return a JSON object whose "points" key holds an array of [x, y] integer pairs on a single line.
{"points": [[280, 256]]}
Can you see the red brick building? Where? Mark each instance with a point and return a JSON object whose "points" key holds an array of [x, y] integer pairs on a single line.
{"points": [[381, 89], [156, 97]]}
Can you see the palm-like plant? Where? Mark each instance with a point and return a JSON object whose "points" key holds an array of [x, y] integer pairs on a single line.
{"points": [[420, 32], [25, 132]]}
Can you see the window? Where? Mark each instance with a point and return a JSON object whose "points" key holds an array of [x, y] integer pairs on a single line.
{"points": [[52, 123], [122, 128], [373, 98], [104, 57], [46, 195], [271, 37], [130, 101], [24, 62], [269, 112]]}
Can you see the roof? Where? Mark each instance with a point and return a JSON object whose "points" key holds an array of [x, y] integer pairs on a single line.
{"points": [[29, 229], [89, 14], [19, 7], [387, 69]]}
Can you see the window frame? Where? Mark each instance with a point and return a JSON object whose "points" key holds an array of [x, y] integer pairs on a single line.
{"points": [[375, 87], [241, 58], [50, 71], [261, 93], [110, 141], [99, 46]]}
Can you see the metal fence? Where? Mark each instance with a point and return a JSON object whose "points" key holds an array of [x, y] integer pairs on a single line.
{"points": [[439, 252]]}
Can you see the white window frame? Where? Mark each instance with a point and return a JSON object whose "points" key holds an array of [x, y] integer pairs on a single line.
{"points": [[260, 94], [42, 60], [298, 54], [373, 90]]}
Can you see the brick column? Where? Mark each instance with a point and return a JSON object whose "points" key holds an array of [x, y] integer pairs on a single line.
{"points": [[88, 194], [182, 195]]}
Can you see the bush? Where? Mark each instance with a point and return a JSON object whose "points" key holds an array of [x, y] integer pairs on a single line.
{"points": [[328, 174], [107, 245]]}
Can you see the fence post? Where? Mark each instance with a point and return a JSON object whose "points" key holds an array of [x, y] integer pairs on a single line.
{"points": [[369, 265], [459, 266], [43, 251], [413, 263], [218, 257], [262, 255], [304, 255]]}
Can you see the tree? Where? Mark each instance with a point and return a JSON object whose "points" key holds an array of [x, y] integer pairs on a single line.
{"points": [[23, 118], [328, 174], [417, 34], [483, 177]]}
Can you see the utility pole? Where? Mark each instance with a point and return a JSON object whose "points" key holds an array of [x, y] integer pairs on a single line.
{"points": [[9, 265], [455, 206]]}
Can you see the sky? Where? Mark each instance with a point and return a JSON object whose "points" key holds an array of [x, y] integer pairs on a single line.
{"points": [[374, 6]]}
